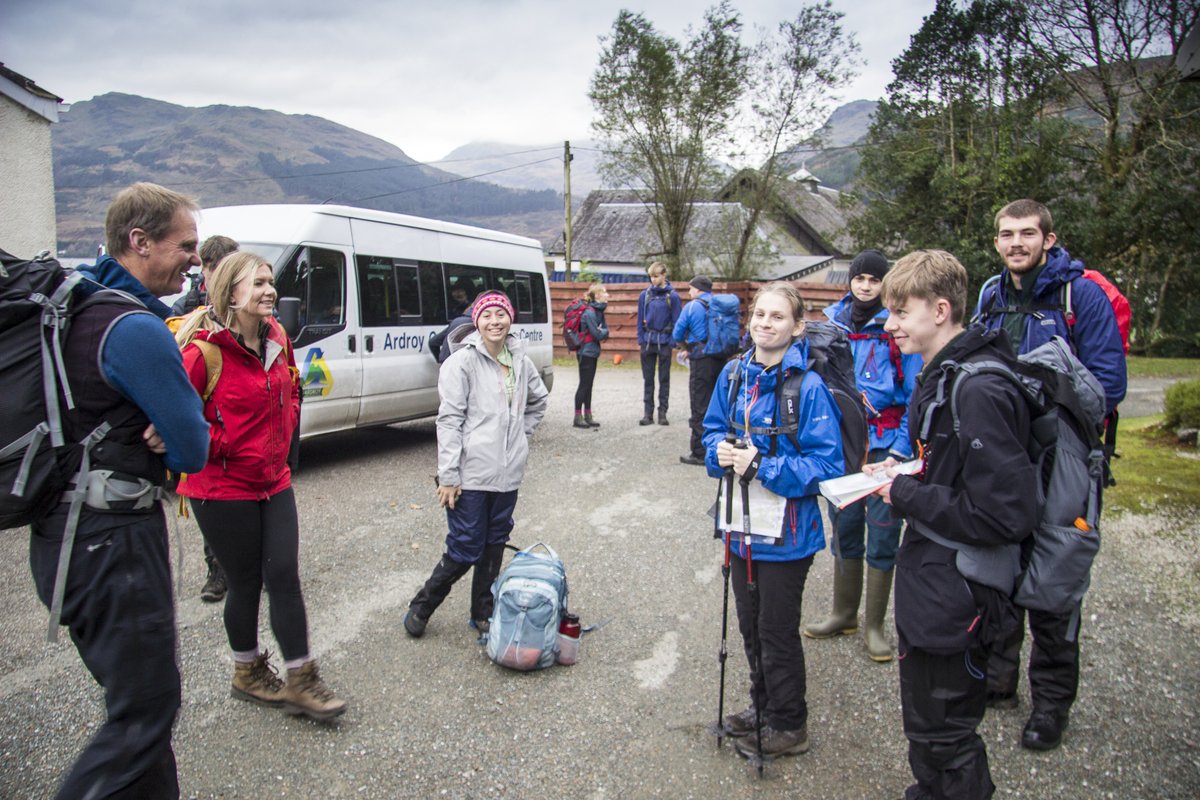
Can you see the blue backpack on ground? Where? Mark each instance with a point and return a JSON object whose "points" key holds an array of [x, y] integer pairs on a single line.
{"points": [[531, 598], [724, 325]]}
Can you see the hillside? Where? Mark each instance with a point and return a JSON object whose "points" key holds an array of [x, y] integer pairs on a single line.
{"points": [[532, 167], [836, 161], [234, 155]]}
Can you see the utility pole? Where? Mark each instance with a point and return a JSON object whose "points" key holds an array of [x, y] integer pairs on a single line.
{"points": [[567, 207]]}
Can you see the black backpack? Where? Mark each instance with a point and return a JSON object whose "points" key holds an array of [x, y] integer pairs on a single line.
{"points": [[37, 303], [829, 356]]}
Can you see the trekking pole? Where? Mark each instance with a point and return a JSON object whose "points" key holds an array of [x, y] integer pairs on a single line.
{"points": [[756, 654], [723, 653], [755, 640]]}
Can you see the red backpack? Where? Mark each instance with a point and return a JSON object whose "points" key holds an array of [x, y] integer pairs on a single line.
{"points": [[574, 334], [1120, 304]]}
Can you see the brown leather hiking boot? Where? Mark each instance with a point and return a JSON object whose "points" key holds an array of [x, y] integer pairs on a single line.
{"points": [[257, 682], [305, 693]]}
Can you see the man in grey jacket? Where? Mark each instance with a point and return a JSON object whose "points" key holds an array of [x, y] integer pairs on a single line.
{"points": [[494, 398]]}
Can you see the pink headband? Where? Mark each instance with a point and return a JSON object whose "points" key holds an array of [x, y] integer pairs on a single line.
{"points": [[491, 300]]}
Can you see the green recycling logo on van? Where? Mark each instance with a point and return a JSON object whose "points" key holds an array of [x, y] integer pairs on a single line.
{"points": [[317, 380]]}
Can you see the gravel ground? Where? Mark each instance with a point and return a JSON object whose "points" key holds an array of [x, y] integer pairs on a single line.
{"points": [[434, 718]]}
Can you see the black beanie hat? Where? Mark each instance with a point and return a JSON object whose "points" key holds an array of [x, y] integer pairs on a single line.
{"points": [[701, 282], [872, 262]]}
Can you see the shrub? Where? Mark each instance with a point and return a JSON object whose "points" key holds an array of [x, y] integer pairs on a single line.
{"points": [[1182, 405]]}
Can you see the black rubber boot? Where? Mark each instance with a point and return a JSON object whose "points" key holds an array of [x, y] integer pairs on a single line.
{"points": [[486, 570], [432, 594]]}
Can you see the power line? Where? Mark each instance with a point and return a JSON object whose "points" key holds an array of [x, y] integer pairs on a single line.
{"points": [[447, 183]]}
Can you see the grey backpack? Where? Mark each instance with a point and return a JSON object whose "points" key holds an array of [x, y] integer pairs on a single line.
{"points": [[531, 598], [1067, 417]]}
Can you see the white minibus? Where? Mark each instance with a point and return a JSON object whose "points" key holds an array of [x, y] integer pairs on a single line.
{"points": [[371, 287]]}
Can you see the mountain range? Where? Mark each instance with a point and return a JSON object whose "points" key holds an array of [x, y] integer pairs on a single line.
{"points": [[231, 155]]}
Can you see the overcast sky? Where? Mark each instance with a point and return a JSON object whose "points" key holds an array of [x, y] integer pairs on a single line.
{"points": [[425, 76]]}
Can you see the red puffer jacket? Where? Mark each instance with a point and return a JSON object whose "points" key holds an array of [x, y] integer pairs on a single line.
{"points": [[252, 412]]}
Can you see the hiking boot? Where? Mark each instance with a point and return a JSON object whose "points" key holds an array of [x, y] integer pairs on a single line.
{"points": [[695, 461], [305, 693], [214, 587], [662, 417], [414, 625], [587, 417], [257, 682], [775, 743], [481, 625], [579, 423], [741, 723], [847, 588], [646, 420], [1003, 701], [1044, 729]]}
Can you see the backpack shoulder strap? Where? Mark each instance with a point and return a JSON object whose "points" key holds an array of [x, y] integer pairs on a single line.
{"points": [[213, 362]]}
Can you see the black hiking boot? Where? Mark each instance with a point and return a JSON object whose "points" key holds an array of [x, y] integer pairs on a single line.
{"points": [[1044, 729], [741, 723], [214, 587], [774, 743]]}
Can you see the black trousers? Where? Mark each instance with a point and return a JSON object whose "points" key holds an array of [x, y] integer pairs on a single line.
{"points": [[943, 699], [656, 355], [119, 611], [587, 376], [778, 687], [1053, 661], [701, 380], [258, 544]]}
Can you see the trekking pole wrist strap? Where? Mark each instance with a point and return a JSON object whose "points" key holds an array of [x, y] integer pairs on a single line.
{"points": [[752, 470]]}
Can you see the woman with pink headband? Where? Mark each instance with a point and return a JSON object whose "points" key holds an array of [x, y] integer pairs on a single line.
{"points": [[492, 399]]}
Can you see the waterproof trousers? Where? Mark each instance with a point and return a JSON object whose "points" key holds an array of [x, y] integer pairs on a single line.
{"points": [[119, 611], [479, 523], [656, 355], [701, 379], [1053, 661], [778, 684], [943, 699], [882, 527]]}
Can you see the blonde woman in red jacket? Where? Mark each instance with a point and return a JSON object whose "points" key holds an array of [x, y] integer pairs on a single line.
{"points": [[243, 498]]}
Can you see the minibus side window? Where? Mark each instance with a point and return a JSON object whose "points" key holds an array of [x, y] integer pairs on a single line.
{"points": [[463, 285], [389, 292], [433, 294], [537, 288]]}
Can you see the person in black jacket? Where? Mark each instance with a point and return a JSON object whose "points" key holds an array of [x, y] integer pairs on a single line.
{"points": [[212, 251], [968, 506]]}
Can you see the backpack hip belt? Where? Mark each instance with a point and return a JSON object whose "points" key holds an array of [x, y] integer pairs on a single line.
{"points": [[108, 490], [887, 420]]}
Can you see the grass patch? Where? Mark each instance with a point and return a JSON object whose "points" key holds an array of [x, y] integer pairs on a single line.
{"points": [[1154, 472], [1140, 367]]}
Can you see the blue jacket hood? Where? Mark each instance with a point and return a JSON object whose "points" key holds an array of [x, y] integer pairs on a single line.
{"points": [[839, 313], [1060, 268], [109, 272]]}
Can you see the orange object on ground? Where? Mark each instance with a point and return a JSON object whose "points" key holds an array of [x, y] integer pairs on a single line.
{"points": [[617, 359]]}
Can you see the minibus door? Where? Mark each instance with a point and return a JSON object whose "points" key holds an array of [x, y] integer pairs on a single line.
{"points": [[327, 344]]}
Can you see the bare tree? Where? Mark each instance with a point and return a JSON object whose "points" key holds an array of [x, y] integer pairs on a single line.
{"points": [[794, 80], [663, 108]]}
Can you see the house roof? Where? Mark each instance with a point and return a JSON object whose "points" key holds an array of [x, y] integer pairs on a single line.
{"points": [[24, 91], [615, 227], [800, 201]]}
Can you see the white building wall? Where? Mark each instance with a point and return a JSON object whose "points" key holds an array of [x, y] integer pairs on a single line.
{"points": [[27, 221]]}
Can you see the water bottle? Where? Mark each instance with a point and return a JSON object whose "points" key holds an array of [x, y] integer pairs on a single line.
{"points": [[569, 631]]}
